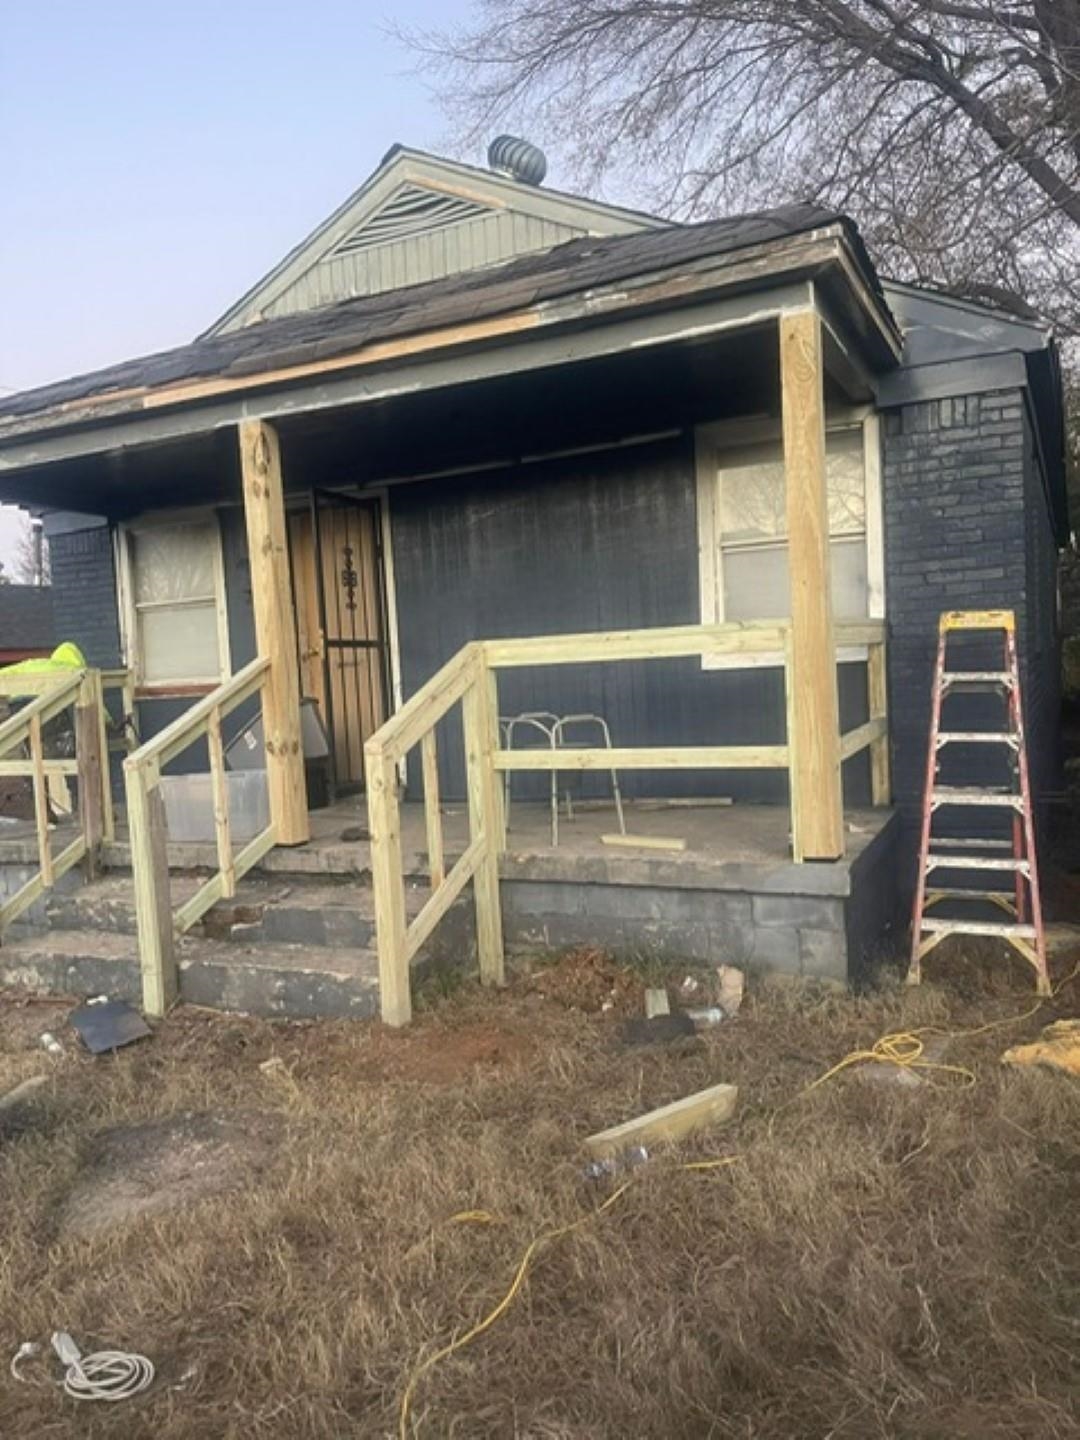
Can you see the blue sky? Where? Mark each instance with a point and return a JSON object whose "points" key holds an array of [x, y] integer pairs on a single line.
{"points": [[157, 159]]}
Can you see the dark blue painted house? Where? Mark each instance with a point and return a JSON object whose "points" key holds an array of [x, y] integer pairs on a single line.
{"points": [[504, 411]]}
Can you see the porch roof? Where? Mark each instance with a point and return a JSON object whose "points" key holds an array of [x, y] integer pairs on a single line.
{"points": [[572, 286]]}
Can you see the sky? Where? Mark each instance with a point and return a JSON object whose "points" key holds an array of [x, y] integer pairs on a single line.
{"points": [[156, 160]]}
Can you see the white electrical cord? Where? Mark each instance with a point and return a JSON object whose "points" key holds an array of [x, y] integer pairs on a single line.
{"points": [[105, 1375]]}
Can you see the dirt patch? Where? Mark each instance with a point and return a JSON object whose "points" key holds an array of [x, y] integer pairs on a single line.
{"points": [[591, 981], [25, 1018], [137, 1170], [443, 1055]]}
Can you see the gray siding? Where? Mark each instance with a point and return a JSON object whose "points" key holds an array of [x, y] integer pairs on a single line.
{"points": [[599, 542], [488, 240]]}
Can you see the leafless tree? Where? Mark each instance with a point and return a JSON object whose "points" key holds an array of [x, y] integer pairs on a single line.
{"points": [[950, 129], [31, 554]]}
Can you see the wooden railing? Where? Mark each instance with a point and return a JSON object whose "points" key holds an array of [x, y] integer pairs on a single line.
{"points": [[470, 679], [158, 921], [22, 754], [464, 680]]}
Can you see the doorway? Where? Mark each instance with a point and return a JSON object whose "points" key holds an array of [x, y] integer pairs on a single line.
{"points": [[335, 549]]}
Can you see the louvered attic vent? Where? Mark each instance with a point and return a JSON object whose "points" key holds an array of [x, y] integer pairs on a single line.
{"points": [[412, 210]]}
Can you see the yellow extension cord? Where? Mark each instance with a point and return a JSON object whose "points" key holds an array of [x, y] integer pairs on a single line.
{"points": [[902, 1048]]}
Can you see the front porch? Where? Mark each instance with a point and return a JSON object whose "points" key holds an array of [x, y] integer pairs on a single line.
{"points": [[298, 938]]}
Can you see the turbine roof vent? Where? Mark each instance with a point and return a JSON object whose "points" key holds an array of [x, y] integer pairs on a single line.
{"points": [[519, 159]]}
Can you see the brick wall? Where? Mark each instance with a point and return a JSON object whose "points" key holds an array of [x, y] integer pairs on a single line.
{"points": [[84, 594], [966, 527]]}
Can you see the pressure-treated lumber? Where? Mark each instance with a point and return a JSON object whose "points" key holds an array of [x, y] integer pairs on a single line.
{"points": [[219, 784], [645, 842], [862, 736], [35, 887], [41, 802], [432, 814], [271, 594], [748, 637], [188, 727], [192, 911], [714, 1106], [441, 900], [91, 759], [420, 712], [388, 885], [150, 873], [647, 757], [485, 824], [814, 710], [878, 690]]}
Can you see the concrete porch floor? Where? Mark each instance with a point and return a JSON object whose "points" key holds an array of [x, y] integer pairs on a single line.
{"points": [[727, 846]]}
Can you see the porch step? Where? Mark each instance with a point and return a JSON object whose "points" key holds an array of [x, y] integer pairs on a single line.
{"points": [[292, 981], [321, 915]]}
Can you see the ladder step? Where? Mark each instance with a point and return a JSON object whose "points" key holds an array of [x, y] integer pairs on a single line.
{"points": [[936, 893], [973, 795], [977, 677], [977, 927], [967, 843], [975, 862], [978, 737]]}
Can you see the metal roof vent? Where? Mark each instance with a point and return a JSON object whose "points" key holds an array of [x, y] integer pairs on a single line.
{"points": [[507, 155]]}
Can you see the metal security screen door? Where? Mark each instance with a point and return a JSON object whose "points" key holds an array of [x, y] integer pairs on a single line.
{"points": [[339, 594]]}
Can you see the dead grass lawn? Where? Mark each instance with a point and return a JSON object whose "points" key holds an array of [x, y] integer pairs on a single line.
{"points": [[881, 1261]]}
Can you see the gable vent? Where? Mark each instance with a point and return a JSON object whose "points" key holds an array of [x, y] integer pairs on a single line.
{"points": [[412, 210]]}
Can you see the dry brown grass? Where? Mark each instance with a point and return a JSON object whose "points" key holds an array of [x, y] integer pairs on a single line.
{"points": [[881, 1262]]}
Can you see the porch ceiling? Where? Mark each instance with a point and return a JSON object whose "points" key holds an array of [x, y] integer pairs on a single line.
{"points": [[504, 418]]}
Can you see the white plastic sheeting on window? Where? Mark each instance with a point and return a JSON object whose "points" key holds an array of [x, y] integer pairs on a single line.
{"points": [[175, 586]]}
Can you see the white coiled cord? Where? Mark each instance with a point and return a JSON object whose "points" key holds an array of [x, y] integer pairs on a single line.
{"points": [[105, 1375]]}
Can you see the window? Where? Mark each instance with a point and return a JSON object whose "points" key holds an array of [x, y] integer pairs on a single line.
{"points": [[742, 524], [175, 609]]}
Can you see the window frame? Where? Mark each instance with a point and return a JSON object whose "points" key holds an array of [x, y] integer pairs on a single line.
{"points": [[711, 441], [129, 610]]}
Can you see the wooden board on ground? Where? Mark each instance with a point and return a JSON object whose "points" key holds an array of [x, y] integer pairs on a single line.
{"points": [[671, 1122], [645, 842]]}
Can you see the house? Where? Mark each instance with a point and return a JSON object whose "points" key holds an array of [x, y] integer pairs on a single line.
{"points": [[26, 623], [471, 408]]}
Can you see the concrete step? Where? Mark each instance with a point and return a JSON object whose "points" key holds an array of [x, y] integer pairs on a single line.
{"points": [[319, 914], [273, 980]]}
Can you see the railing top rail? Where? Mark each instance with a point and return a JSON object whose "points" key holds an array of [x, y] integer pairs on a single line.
{"points": [[427, 707], [186, 728], [48, 701], [742, 637]]}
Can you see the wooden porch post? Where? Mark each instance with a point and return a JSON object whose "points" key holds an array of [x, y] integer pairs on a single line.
{"points": [[813, 710], [275, 631]]}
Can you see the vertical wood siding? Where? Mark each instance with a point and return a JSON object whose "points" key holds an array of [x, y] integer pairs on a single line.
{"points": [[487, 240], [598, 542]]}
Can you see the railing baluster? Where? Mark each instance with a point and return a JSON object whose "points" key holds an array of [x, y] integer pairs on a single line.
{"points": [[878, 696], [219, 783], [485, 819], [384, 816], [92, 775], [150, 872], [432, 815], [41, 801]]}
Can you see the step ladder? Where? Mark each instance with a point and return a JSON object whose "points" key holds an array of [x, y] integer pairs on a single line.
{"points": [[999, 860]]}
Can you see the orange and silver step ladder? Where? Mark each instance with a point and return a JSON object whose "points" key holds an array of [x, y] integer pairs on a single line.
{"points": [[998, 860]]}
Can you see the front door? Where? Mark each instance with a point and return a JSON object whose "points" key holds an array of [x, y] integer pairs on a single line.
{"points": [[337, 568]]}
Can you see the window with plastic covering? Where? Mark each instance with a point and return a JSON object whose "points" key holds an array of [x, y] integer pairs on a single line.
{"points": [[176, 603]]}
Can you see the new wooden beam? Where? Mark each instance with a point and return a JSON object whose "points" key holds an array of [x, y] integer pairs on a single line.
{"points": [[153, 902], [275, 630], [671, 1122], [814, 718]]}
